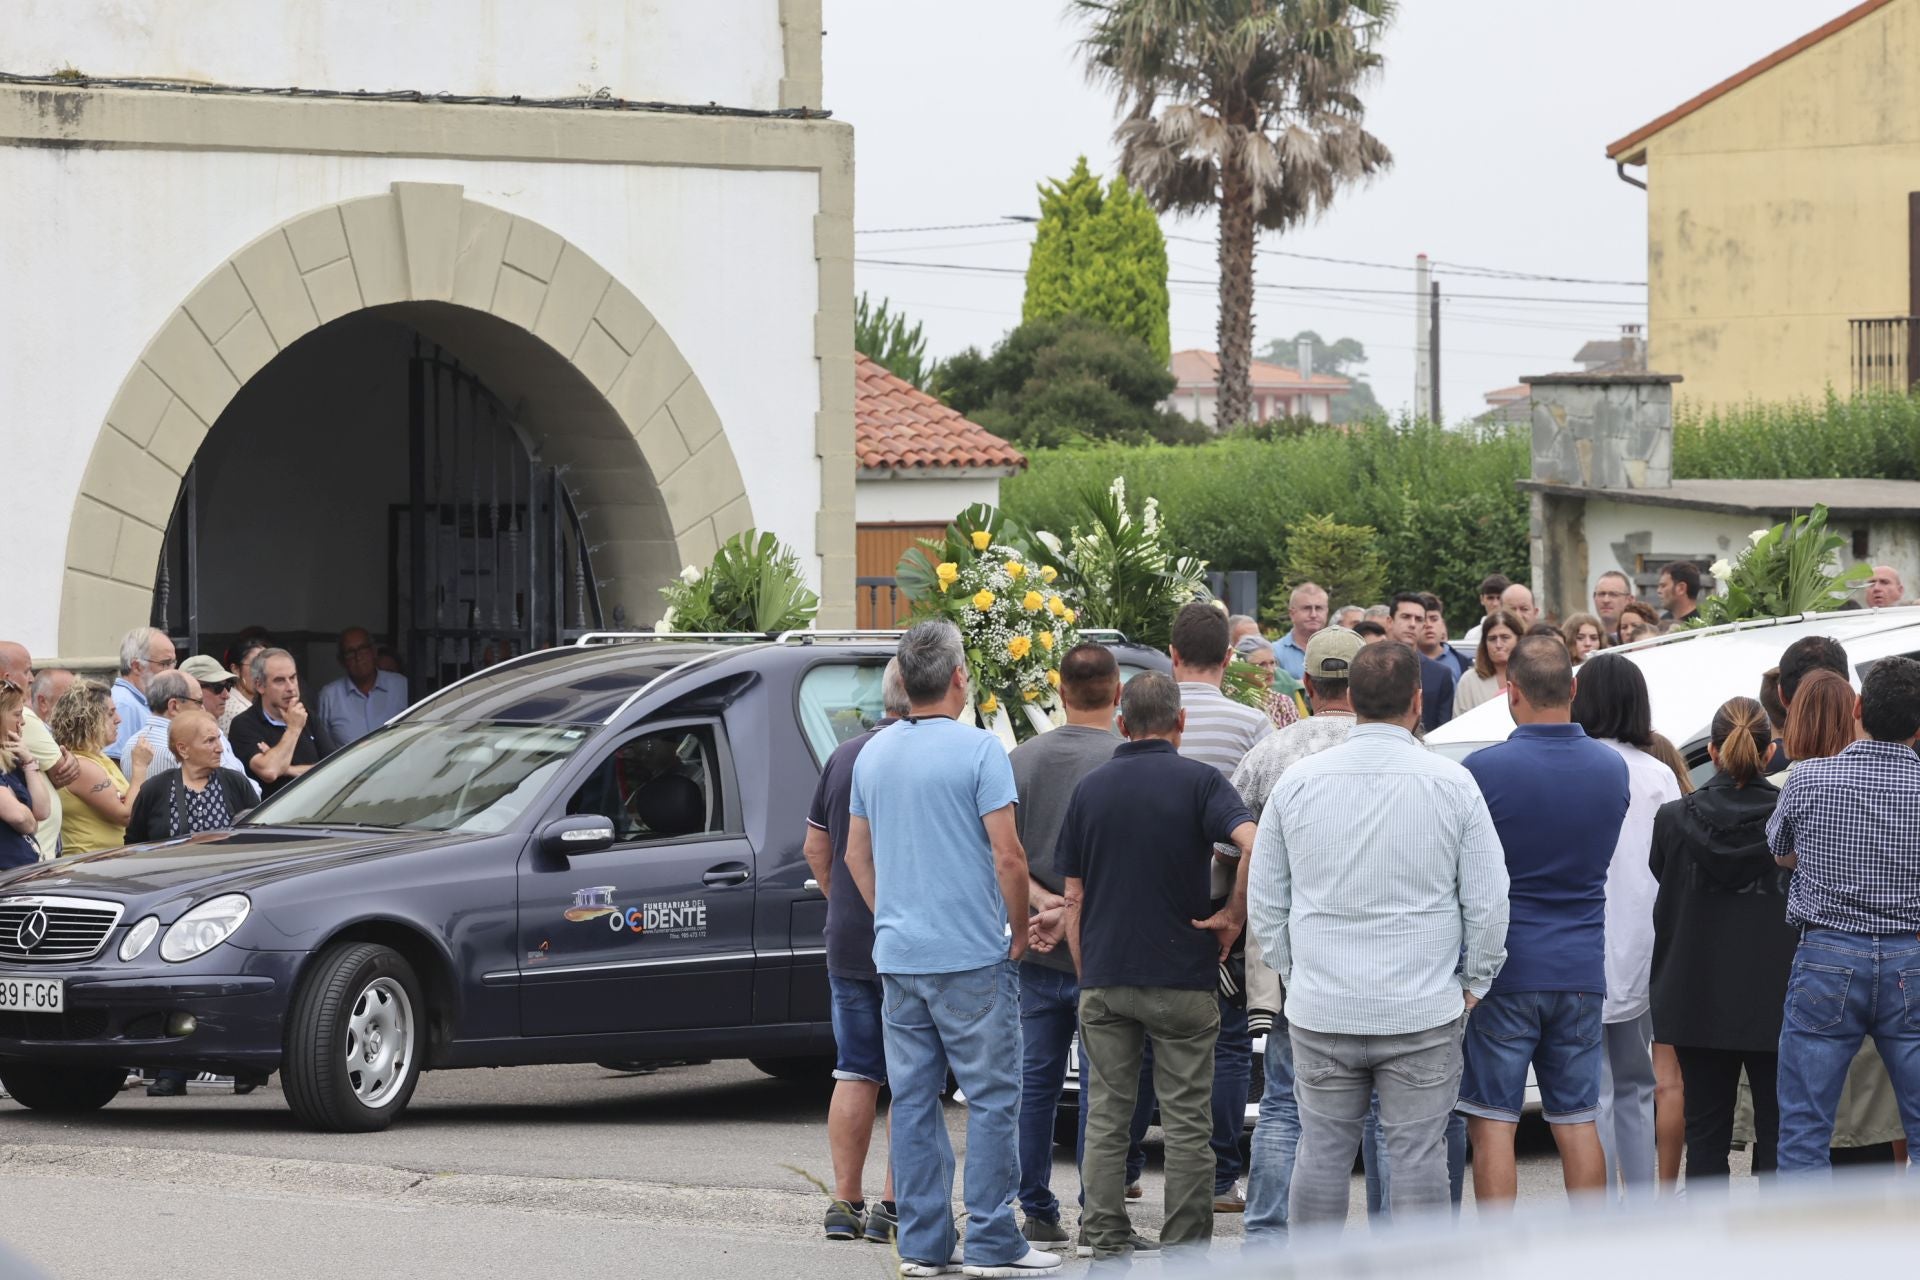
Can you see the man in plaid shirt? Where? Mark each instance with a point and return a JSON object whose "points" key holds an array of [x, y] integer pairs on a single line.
{"points": [[1849, 826]]}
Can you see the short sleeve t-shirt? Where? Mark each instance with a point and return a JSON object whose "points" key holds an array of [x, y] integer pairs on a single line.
{"points": [[252, 729], [1139, 836], [1046, 769], [1557, 798], [849, 921], [923, 786]]}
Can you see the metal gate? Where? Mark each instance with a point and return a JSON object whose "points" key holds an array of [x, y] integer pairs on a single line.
{"points": [[490, 557]]}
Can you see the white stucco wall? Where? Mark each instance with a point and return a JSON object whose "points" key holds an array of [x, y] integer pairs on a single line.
{"points": [[118, 238], [917, 501], [724, 51]]}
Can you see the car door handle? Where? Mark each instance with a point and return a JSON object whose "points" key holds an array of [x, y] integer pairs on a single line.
{"points": [[727, 873]]}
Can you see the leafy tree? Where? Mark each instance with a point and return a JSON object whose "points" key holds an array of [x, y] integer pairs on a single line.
{"points": [[1065, 379], [1250, 107], [884, 337], [1101, 255], [1344, 558], [1345, 358]]}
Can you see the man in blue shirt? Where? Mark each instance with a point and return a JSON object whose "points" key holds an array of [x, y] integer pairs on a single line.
{"points": [[1557, 798], [144, 653], [860, 1055], [1307, 611], [934, 848], [361, 700], [1408, 625]]}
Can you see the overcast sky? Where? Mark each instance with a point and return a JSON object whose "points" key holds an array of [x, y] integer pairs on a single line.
{"points": [[1498, 113]]}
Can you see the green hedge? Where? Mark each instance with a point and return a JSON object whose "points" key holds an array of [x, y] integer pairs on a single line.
{"points": [[1444, 502], [1869, 437]]}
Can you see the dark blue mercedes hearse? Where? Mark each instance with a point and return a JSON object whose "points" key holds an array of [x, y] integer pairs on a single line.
{"points": [[585, 854]]}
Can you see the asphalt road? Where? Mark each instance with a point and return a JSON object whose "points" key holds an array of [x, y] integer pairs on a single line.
{"points": [[693, 1171]]}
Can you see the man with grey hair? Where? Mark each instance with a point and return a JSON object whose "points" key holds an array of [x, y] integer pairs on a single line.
{"points": [[1240, 626], [860, 1055], [144, 653], [272, 736], [933, 845], [1348, 614], [1136, 849], [168, 694], [1307, 611]]}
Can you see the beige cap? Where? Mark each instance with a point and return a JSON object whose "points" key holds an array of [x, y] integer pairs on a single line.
{"points": [[1330, 653], [206, 670]]}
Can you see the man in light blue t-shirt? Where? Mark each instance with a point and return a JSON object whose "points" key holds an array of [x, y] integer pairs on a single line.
{"points": [[932, 844]]}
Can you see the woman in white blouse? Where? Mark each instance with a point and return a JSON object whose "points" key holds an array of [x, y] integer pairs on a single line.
{"points": [[1488, 679]]}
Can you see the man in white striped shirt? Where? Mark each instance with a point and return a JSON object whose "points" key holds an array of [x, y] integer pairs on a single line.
{"points": [[1220, 732], [1376, 868]]}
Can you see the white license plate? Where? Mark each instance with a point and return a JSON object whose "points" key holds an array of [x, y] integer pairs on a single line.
{"points": [[33, 995]]}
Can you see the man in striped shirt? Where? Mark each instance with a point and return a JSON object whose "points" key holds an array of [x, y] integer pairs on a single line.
{"points": [[1220, 732]]}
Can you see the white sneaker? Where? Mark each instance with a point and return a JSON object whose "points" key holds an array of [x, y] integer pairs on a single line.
{"points": [[1034, 1263], [932, 1268]]}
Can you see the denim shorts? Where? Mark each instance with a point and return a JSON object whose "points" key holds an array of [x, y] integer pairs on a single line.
{"points": [[860, 1051], [1557, 1032]]}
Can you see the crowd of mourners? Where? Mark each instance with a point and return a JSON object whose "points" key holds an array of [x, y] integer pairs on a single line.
{"points": [[1426, 949]]}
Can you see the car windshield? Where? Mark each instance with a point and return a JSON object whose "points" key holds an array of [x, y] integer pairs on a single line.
{"points": [[428, 776]]}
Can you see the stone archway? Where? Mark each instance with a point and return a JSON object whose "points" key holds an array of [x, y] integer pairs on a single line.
{"points": [[664, 485]]}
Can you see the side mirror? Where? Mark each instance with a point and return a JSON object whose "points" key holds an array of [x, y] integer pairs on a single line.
{"points": [[581, 833]]}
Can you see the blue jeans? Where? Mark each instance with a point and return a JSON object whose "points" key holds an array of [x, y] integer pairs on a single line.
{"points": [[1232, 1077], [967, 1021], [859, 1048], [1846, 986], [1276, 1140], [1049, 1011]]}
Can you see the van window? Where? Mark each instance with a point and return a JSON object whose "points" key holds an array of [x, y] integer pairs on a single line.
{"points": [[839, 700], [663, 785]]}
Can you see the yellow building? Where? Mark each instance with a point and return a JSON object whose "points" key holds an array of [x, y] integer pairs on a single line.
{"points": [[1783, 215]]}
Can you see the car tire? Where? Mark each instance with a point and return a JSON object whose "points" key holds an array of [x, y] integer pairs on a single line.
{"points": [[62, 1091], [800, 1070], [355, 1039]]}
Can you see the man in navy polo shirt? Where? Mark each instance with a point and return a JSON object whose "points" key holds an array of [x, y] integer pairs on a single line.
{"points": [[860, 1054], [1557, 798], [1137, 850]]}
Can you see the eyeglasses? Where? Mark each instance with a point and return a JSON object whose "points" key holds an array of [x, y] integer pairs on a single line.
{"points": [[1609, 595], [160, 664], [356, 651]]}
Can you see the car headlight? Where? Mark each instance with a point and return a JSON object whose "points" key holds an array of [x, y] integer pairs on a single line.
{"points": [[205, 927], [139, 938]]}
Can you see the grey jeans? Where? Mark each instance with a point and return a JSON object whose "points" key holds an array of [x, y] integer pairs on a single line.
{"points": [[1626, 1107], [1334, 1077]]}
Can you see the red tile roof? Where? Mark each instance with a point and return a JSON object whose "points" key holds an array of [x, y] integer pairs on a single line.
{"points": [[897, 426], [1195, 368], [1628, 150]]}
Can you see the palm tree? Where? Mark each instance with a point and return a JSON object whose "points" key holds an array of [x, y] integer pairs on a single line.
{"points": [[1251, 105]]}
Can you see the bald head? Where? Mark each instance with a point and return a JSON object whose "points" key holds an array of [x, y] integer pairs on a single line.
{"points": [[1517, 599], [1885, 587], [15, 663]]}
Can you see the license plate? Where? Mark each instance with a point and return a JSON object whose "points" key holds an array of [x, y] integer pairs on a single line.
{"points": [[33, 995]]}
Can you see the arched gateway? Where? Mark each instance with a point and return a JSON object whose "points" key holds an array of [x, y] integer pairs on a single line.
{"points": [[412, 387]]}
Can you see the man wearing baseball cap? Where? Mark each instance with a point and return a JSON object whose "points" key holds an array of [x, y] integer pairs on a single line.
{"points": [[216, 684]]}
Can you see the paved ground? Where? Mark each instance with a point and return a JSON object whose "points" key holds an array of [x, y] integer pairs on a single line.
{"points": [[693, 1171]]}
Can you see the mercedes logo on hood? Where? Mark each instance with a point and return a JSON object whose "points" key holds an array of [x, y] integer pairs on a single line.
{"points": [[32, 931]]}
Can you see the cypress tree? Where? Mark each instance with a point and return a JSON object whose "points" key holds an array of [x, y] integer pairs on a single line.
{"points": [[1099, 254]]}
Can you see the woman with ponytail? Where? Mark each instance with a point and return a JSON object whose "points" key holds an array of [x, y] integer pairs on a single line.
{"points": [[1722, 949]]}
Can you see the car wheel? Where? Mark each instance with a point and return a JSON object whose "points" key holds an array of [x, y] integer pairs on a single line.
{"points": [[805, 1070], [66, 1091], [354, 1039]]}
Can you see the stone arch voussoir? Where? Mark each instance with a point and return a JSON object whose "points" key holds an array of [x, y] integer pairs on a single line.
{"points": [[418, 242]]}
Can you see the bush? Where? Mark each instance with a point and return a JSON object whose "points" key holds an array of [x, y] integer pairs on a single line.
{"points": [[1873, 436], [1443, 502], [1343, 558]]}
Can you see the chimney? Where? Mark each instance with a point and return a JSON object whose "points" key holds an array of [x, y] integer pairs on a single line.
{"points": [[1633, 348], [1306, 358]]}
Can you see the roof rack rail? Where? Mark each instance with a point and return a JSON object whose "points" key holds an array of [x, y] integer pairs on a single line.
{"points": [[593, 639], [1104, 634]]}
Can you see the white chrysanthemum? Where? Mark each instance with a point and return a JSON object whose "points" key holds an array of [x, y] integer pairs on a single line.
{"points": [[1720, 570], [691, 574]]}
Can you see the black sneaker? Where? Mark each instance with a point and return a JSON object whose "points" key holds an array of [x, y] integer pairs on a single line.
{"points": [[167, 1087], [1045, 1232], [1135, 1241], [844, 1221], [883, 1223]]}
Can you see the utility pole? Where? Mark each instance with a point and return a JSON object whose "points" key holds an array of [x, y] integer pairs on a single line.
{"points": [[1422, 338], [1433, 352]]}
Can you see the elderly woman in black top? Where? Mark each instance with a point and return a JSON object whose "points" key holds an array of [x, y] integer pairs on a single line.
{"points": [[1722, 949], [197, 796]]}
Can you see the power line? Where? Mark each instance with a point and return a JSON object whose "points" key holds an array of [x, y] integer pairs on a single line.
{"points": [[979, 269], [951, 226]]}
